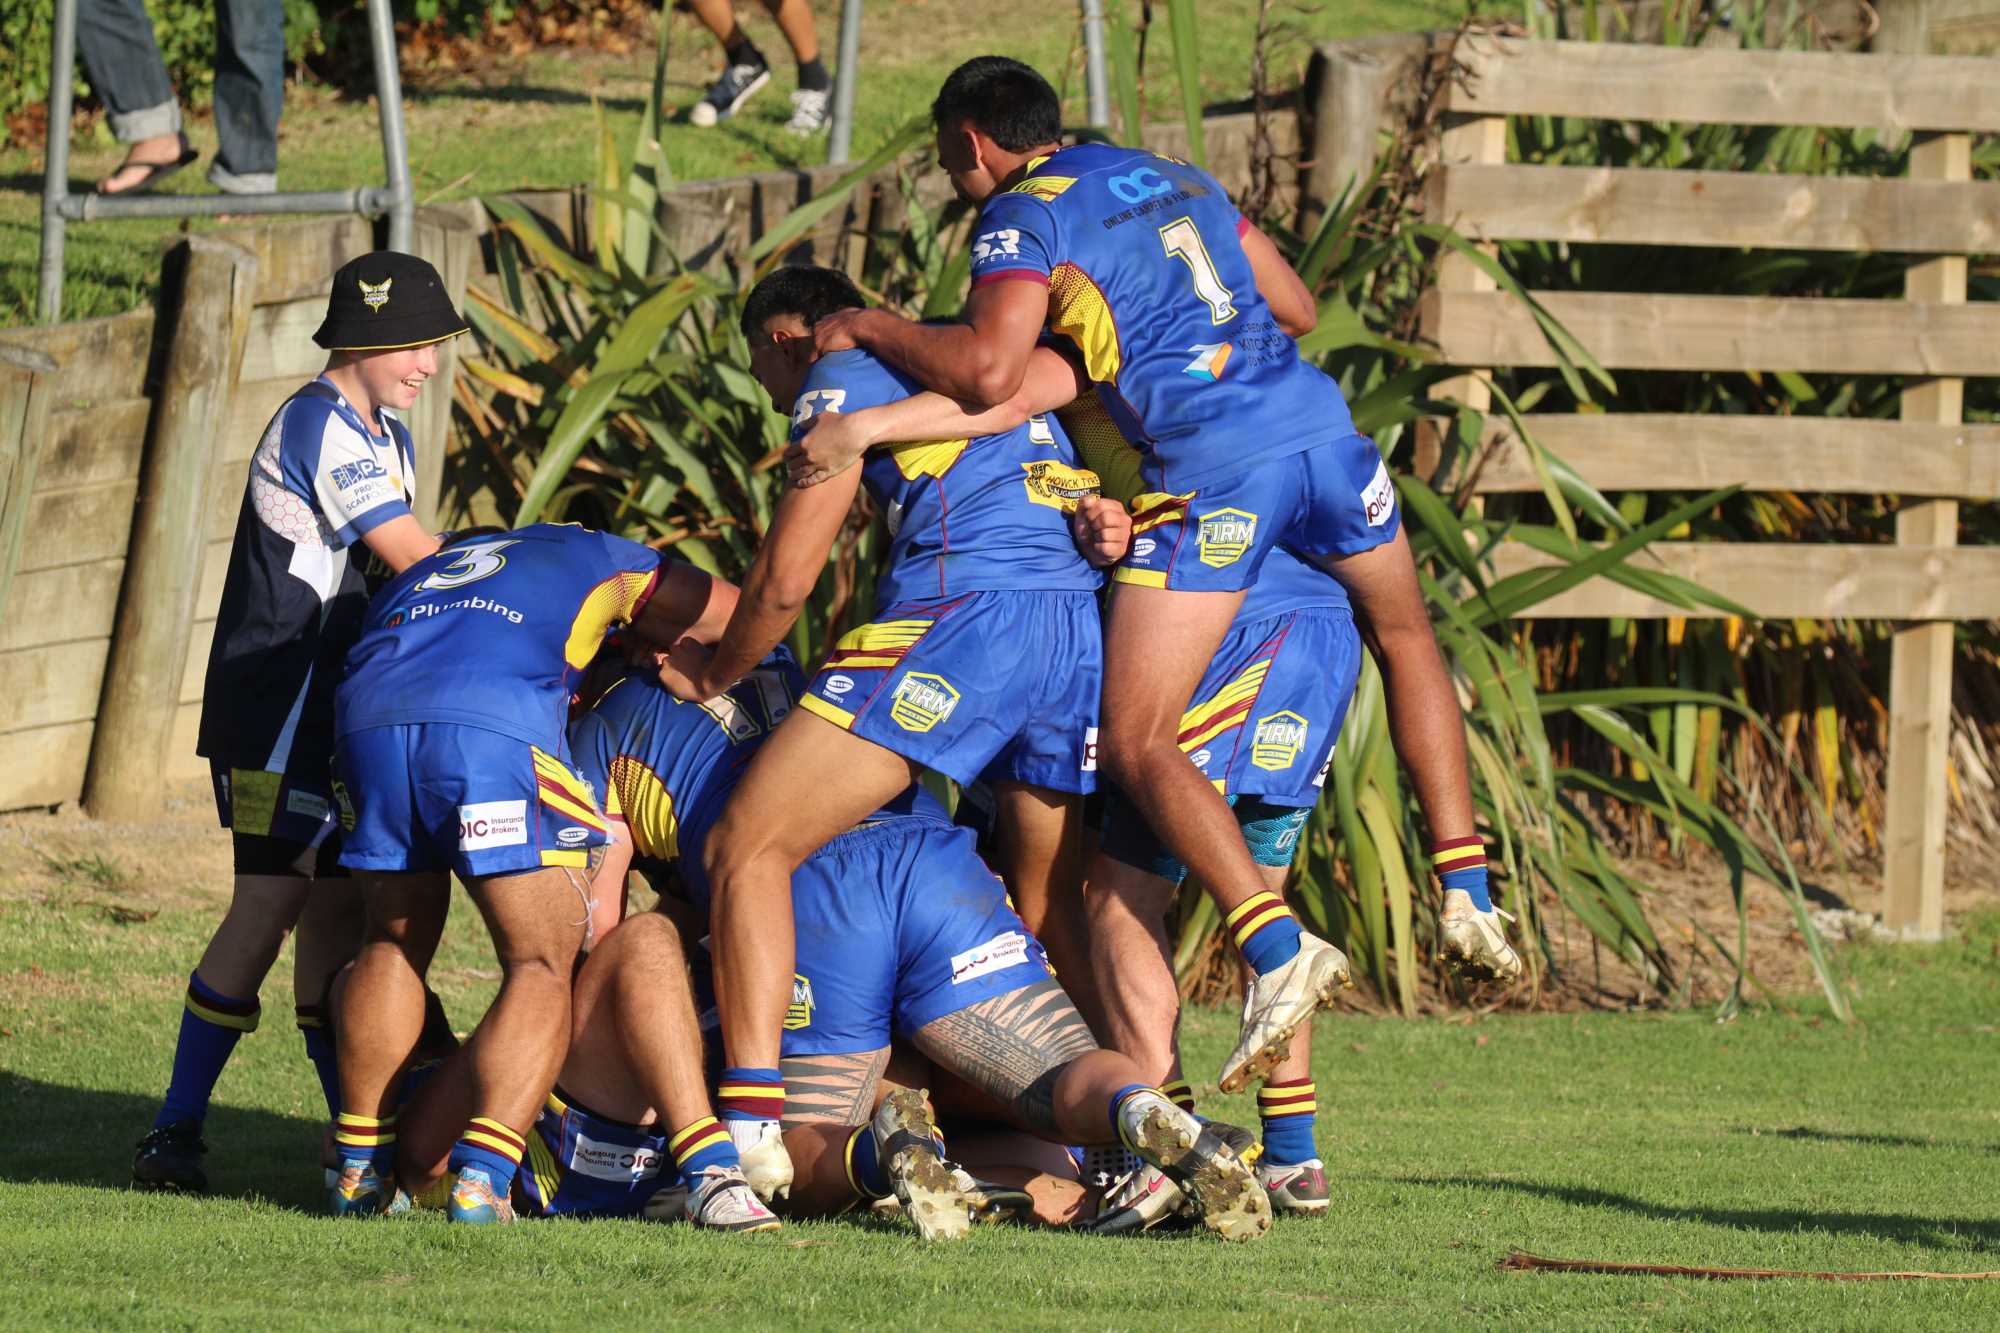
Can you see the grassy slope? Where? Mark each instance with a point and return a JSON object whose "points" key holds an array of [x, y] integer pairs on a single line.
{"points": [[530, 123], [1778, 1141]]}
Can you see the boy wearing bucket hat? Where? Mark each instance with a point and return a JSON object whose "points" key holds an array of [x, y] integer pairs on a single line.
{"points": [[328, 499]]}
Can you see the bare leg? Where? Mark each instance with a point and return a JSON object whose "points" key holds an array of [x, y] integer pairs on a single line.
{"points": [[262, 911], [1043, 1169], [1156, 645], [1030, 1050], [785, 808], [1039, 850], [795, 20], [635, 1044], [826, 1098], [718, 16], [515, 1052], [1127, 911], [330, 932], [381, 1008]]}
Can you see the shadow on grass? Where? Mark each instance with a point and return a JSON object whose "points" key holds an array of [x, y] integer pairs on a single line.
{"points": [[85, 1136], [1811, 1135], [522, 94], [1941, 1233]]}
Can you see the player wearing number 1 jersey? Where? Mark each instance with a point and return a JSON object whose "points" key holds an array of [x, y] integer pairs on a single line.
{"points": [[1184, 314]]}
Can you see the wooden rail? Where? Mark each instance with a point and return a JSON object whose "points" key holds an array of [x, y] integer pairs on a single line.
{"points": [[1930, 457]]}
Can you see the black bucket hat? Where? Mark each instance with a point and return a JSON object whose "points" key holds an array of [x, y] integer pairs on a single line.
{"points": [[385, 301]]}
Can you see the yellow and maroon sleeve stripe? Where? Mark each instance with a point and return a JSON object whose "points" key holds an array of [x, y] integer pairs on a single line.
{"points": [[700, 1136], [1458, 854], [490, 1134], [360, 1131], [1253, 914]]}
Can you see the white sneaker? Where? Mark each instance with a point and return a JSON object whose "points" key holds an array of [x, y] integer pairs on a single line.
{"points": [[1298, 1188], [760, 1146], [906, 1146], [722, 1200], [810, 110], [1472, 942], [1224, 1189], [1277, 1003]]}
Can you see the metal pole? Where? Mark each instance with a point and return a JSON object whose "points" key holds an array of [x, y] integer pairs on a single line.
{"points": [[845, 77], [1097, 88], [93, 207], [55, 174], [389, 103]]}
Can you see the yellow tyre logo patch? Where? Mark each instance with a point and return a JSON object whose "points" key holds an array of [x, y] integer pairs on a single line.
{"points": [[1058, 485], [921, 701], [1278, 740], [1224, 536]]}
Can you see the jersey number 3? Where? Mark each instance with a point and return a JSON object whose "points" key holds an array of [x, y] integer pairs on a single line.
{"points": [[480, 560], [1183, 242]]}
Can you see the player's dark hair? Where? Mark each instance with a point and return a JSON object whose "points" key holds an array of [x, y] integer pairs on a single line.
{"points": [[457, 535], [1005, 100], [805, 290]]}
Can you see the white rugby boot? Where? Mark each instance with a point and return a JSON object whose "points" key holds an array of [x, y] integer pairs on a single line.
{"points": [[1277, 1003], [760, 1146], [1472, 943], [906, 1146], [1224, 1189], [722, 1200]]}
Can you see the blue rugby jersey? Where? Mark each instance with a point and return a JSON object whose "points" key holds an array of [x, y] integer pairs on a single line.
{"points": [[492, 633], [666, 766], [963, 515], [1286, 583], [1146, 274]]}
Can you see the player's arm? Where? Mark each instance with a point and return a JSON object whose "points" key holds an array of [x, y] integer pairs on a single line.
{"points": [[1291, 301], [687, 603], [837, 439], [781, 578], [400, 542], [980, 361]]}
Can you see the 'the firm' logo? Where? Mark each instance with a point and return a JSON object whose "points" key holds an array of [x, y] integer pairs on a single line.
{"points": [[374, 295], [1224, 535], [922, 701], [799, 1014], [1278, 740]]}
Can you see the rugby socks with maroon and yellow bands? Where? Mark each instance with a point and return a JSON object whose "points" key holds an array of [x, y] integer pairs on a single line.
{"points": [[319, 1050], [1460, 863], [493, 1148], [1288, 1110], [703, 1144], [865, 1175], [750, 1094], [211, 1025], [1179, 1093], [361, 1138], [1265, 931]]}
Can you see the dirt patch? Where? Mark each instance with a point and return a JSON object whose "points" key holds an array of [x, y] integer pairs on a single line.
{"points": [[180, 858]]}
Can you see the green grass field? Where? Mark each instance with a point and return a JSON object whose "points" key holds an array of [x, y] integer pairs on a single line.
{"points": [[1780, 1140], [530, 123]]}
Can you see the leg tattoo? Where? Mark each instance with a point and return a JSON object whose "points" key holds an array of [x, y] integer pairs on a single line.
{"points": [[1013, 1047], [832, 1089]]}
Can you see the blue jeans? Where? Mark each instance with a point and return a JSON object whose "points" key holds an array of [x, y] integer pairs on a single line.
{"points": [[115, 39]]}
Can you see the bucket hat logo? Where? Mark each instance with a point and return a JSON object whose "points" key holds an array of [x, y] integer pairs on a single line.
{"points": [[385, 301], [375, 295]]}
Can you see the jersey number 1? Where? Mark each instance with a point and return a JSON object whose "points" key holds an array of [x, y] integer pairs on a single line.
{"points": [[1183, 242]]}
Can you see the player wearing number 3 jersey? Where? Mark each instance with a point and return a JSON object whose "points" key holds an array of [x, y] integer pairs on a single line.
{"points": [[1184, 315]]}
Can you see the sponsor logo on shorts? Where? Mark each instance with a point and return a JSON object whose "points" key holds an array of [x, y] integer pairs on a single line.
{"points": [[572, 835], [1319, 778], [492, 824], [1208, 364], [1090, 749], [1278, 740], [306, 803], [1200, 759], [1224, 535], [799, 1013], [1057, 485], [1378, 499], [613, 1161], [348, 475], [345, 803], [996, 955], [1143, 548], [922, 701], [837, 685]]}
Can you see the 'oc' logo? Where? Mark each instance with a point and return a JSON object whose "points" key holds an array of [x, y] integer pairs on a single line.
{"points": [[1140, 185]]}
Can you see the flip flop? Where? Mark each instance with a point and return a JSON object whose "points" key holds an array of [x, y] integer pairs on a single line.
{"points": [[155, 172]]}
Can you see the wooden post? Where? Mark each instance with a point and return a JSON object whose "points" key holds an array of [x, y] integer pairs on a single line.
{"points": [[149, 638], [447, 237], [1920, 661], [27, 387], [1480, 140]]}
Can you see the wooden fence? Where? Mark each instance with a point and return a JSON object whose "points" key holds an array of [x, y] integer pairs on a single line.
{"points": [[130, 437], [1930, 458]]}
